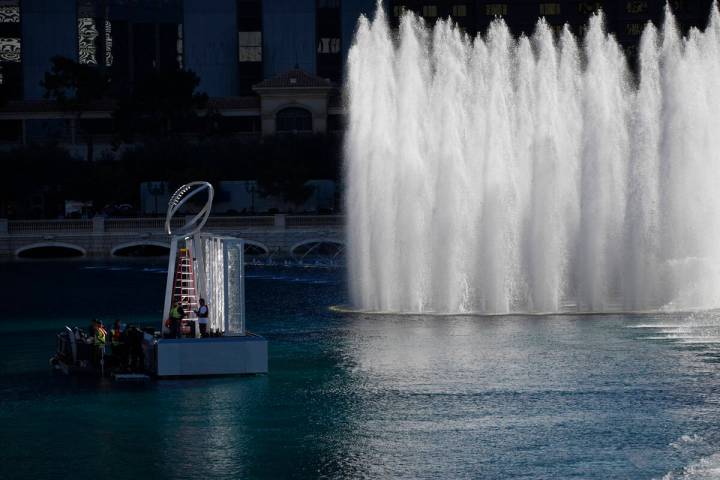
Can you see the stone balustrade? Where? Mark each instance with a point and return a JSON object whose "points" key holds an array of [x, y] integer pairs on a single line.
{"points": [[103, 236]]}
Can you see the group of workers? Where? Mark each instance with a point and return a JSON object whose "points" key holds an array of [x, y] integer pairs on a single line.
{"points": [[177, 316], [124, 345]]}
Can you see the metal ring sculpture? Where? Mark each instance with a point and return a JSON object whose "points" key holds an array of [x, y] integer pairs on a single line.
{"points": [[179, 198]]}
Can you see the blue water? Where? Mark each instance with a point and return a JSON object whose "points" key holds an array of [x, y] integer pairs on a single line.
{"points": [[358, 396]]}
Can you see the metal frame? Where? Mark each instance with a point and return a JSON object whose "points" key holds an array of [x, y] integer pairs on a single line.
{"points": [[170, 277], [221, 261], [179, 198], [218, 263]]}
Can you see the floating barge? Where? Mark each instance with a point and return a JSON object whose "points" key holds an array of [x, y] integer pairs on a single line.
{"points": [[200, 266]]}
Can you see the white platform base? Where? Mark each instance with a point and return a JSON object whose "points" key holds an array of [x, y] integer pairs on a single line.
{"points": [[212, 356]]}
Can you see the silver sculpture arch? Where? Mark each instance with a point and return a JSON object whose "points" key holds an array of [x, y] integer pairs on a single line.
{"points": [[179, 198]]}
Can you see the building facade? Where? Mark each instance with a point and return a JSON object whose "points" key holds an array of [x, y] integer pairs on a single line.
{"points": [[267, 65], [626, 19]]}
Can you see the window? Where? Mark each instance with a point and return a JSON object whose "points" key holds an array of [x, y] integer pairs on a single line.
{"points": [[249, 15], [398, 10], [589, 7], [179, 50], [328, 58], [429, 11], [549, 9], [250, 38], [168, 38], [10, 50], [636, 6], [634, 29], [87, 34], [496, 9], [459, 10], [10, 31], [678, 6], [108, 44], [293, 120], [329, 45], [250, 46], [10, 11]]}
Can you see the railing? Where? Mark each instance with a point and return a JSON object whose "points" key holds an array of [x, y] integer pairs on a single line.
{"points": [[219, 223], [157, 225], [49, 226], [139, 224], [300, 221]]}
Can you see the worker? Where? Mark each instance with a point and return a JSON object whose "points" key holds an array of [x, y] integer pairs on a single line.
{"points": [[136, 355], [119, 352], [202, 314], [116, 332], [99, 337], [177, 313]]}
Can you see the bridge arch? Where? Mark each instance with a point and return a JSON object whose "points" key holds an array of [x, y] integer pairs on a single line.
{"points": [[141, 248], [255, 248], [331, 247], [50, 250]]}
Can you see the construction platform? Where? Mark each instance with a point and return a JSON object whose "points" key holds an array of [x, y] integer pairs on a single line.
{"points": [[184, 357]]}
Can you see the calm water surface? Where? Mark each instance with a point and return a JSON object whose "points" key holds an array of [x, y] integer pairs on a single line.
{"points": [[358, 396]]}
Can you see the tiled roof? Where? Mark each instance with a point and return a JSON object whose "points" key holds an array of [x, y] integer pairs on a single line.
{"points": [[295, 78]]}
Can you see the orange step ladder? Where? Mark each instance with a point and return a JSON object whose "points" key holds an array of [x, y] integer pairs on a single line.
{"points": [[185, 288]]}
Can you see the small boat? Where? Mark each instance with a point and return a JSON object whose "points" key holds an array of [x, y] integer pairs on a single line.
{"points": [[77, 354]]}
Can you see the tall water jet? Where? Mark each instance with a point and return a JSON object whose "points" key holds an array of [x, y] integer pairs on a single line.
{"points": [[534, 174]]}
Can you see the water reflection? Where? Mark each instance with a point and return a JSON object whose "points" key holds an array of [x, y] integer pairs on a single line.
{"points": [[464, 392]]}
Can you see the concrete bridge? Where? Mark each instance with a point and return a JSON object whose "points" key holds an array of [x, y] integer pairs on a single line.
{"points": [[276, 235]]}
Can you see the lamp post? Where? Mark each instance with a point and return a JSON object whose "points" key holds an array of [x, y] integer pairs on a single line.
{"points": [[251, 188]]}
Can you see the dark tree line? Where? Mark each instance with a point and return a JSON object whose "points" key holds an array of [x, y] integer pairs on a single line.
{"points": [[167, 132], [281, 165]]}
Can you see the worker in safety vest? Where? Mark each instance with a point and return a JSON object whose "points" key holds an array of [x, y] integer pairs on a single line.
{"points": [[100, 334], [177, 313], [99, 337], [117, 333]]}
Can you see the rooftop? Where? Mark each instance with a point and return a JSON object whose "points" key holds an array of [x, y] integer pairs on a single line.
{"points": [[295, 78]]}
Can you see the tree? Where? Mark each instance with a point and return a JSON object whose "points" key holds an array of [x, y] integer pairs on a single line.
{"points": [[75, 87], [162, 104], [286, 162]]}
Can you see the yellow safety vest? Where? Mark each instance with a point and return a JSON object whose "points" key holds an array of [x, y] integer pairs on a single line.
{"points": [[174, 313], [100, 336]]}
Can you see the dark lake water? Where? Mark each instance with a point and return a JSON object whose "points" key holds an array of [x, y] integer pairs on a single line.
{"points": [[358, 396]]}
